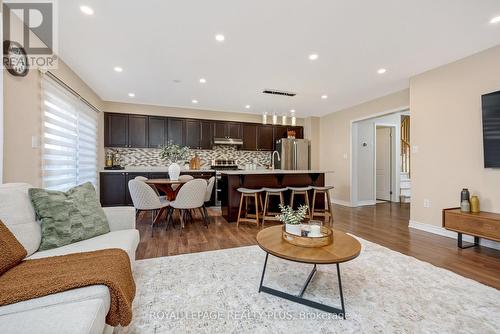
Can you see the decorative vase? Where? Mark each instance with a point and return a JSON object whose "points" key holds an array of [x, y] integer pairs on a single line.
{"points": [[174, 170], [464, 195], [474, 204], [465, 206], [293, 229]]}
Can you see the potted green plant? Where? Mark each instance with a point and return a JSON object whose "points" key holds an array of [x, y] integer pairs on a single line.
{"points": [[174, 154], [292, 218]]}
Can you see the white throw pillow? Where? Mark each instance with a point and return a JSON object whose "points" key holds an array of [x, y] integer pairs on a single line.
{"points": [[17, 213]]}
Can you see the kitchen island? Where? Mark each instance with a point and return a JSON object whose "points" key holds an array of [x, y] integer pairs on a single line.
{"points": [[231, 180]]}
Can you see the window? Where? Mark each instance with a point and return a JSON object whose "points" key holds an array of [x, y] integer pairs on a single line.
{"points": [[69, 138]]}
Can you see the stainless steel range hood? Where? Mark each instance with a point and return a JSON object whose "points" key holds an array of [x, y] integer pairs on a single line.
{"points": [[228, 141]]}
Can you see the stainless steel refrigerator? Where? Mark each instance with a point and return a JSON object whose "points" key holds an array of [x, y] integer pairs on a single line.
{"points": [[294, 154]]}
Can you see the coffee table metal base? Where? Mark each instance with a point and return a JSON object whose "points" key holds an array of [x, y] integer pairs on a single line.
{"points": [[299, 299]]}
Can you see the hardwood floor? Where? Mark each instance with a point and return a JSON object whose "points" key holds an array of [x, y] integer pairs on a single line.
{"points": [[385, 224]]}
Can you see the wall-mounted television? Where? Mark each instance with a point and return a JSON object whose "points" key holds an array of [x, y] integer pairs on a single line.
{"points": [[491, 129]]}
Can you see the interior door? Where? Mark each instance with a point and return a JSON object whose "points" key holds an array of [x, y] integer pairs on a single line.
{"points": [[383, 164]]}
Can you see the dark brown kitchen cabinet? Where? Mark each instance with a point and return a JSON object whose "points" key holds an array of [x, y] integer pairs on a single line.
{"points": [[157, 131], [137, 131], [227, 130], [206, 137], [176, 130], [265, 138], [299, 131], [116, 128], [125, 130], [193, 133], [249, 137], [114, 188], [279, 132]]}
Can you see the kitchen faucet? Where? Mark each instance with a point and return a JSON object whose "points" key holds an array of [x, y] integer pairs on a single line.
{"points": [[272, 158]]}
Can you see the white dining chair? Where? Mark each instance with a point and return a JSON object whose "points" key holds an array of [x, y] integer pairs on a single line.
{"points": [[144, 198], [208, 195], [182, 178], [190, 196]]}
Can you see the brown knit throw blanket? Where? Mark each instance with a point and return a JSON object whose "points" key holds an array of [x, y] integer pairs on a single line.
{"points": [[42, 277]]}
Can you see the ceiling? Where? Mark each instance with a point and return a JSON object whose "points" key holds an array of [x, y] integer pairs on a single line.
{"points": [[165, 47]]}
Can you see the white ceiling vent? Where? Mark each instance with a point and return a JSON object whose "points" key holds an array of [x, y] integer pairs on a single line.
{"points": [[278, 92]]}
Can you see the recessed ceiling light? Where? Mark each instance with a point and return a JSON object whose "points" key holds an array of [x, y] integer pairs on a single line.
{"points": [[313, 56], [203, 80], [381, 71], [220, 38], [495, 20], [247, 106], [118, 69], [194, 101], [131, 95], [87, 10], [324, 97]]}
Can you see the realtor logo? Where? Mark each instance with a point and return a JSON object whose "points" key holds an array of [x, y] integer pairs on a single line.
{"points": [[32, 26]]}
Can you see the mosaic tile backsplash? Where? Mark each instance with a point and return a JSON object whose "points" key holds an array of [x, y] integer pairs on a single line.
{"points": [[150, 157]]}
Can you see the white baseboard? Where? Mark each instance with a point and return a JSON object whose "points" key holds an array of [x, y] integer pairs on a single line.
{"points": [[341, 202], [353, 205], [450, 234]]}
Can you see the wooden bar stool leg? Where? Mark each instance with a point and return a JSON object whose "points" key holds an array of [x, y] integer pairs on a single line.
{"points": [[314, 203], [330, 208], [264, 213], [306, 195], [239, 211], [256, 196], [291, 198]]}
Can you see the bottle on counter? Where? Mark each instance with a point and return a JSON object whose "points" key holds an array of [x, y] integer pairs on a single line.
{"points": [[465, 206], [474, 204]]}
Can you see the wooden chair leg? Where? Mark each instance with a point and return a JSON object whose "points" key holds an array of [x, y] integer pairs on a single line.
{"points": [[314, 203], [306, 195], [181, 217], [264, 211], [239, 211], [291, 198], [330, 208], [256, 196]]}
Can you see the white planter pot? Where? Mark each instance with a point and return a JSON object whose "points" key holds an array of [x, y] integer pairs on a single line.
{"points": [[293, 229], [174, 170]]}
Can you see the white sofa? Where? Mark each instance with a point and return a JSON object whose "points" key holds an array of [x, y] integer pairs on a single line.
{"points": [[81, 310]]}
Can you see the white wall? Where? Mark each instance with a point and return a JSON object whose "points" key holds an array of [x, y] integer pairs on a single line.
{"points": [[363, 157]]}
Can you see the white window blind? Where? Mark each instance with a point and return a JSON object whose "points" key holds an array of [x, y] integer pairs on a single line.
{"points": [[69, 138]]}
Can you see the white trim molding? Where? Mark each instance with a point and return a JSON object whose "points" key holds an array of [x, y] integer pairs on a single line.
{"points": [[450, 234], [353, 205]]}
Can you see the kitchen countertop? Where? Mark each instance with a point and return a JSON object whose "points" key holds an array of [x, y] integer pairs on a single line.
{"points": [[275, 171], [153, 170]]}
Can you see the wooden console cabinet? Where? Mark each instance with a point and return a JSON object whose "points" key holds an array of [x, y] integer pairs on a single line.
{"points": [[480, 225]]}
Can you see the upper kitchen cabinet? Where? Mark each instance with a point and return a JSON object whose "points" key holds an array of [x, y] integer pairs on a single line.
{"points": [[116, 130], [176, 130], [279, 133], [265, 138], [193, 133], [206, 138], [249, 137], [299, 131], [125, 130], [227, 130], [157, 131], [137, 131]]}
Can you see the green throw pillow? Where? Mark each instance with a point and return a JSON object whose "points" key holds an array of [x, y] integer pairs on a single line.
{"points": [[68, 217]]}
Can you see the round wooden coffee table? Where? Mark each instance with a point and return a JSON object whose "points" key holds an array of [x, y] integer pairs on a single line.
{"points": [[344, 248]]}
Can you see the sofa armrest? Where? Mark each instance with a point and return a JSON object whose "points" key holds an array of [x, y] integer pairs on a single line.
{"points": [[120, 217]]}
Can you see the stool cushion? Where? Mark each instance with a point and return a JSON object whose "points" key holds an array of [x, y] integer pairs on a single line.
{"points": [[274, 190], [300, 188], [325, 188], [249, 191]]}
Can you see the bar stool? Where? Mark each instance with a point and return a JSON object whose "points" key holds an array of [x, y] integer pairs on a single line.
{"points": [[246, 194], [301, 191], [272, 192], [327, 212]]}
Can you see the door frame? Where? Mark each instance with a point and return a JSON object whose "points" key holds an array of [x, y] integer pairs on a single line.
{"points": [[393, 170], [353, 182]]}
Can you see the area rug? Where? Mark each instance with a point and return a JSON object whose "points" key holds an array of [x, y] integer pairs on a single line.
{"points": [[384, 291]]}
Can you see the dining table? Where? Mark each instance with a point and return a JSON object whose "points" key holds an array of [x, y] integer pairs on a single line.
{"points": [[165, 185]]}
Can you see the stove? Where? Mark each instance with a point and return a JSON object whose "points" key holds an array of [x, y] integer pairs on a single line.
{"points": [[219, 165]]}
